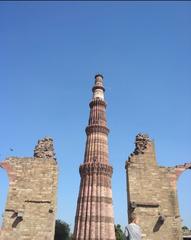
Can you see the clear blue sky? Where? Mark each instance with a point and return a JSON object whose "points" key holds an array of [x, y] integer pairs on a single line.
{"points": [[49, 54]]}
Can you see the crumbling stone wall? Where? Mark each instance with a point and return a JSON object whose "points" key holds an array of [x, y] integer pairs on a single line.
{"points": [[152, 192], [31, 204]]}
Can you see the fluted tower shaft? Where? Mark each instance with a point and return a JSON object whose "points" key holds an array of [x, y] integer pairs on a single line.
{"points": [[94, 215]]}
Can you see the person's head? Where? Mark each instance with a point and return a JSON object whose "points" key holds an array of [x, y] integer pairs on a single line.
{"points": [[134, 218]]}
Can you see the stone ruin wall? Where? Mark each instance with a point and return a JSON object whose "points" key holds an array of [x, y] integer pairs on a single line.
{"points": [[31, 203], [152, 192]]}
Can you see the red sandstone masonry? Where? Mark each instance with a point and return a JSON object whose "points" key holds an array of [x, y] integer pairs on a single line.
{"points": [[94, 214]]}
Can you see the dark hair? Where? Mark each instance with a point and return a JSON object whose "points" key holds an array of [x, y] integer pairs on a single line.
{"points": [[133, 217]]}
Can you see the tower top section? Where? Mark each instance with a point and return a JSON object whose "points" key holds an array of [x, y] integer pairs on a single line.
{"points": [[98, 89]]}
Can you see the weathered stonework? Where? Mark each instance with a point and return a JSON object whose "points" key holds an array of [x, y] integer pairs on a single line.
{"points": [[31, 203], [94, 215], [152, 192]]}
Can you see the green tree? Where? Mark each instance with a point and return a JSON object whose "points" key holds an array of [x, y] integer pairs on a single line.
{"points": [[186, 231], [62, 230], [185, 228], [119, 233]]}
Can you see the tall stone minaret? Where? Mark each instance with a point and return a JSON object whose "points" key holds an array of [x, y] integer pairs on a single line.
{"points": [[94, 215]]}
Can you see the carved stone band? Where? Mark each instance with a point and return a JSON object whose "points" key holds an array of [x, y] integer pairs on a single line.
{"points": [[98, 168], [97, 128], [98, 87], [97, 101]]}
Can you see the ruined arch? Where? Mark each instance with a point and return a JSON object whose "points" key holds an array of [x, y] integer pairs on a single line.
{"points": [[31, 200], [152, 192], [181, 168], [183, 192], [4, 179]]}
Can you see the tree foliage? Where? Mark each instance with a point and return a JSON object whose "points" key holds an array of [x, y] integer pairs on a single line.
{"points": [[119, 233], [186, 231], [185, 228], [62, 230]]}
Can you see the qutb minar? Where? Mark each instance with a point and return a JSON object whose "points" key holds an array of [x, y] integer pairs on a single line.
{"points": [[94, 215]]}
